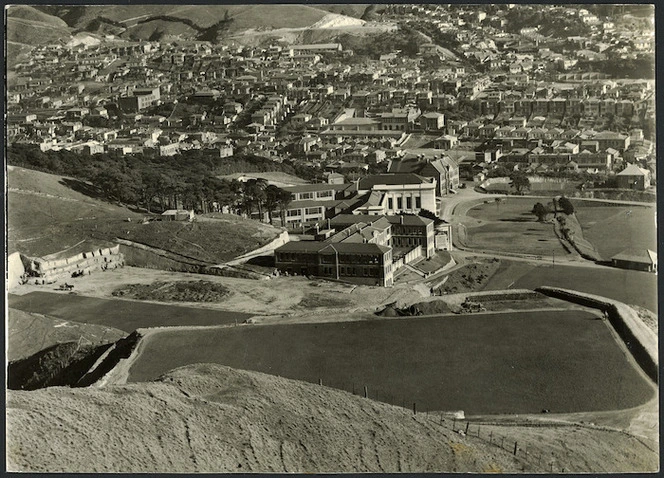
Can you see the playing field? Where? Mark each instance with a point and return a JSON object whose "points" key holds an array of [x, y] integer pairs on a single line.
{"points": [[125, 315], [519, 362], [612, 229], [630, 287], [509, 226]]}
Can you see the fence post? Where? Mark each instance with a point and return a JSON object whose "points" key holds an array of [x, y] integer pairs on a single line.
{"points": [[515, 448], [491, 436], [478, 430], [320, 381], [414, 408], [366, 395], [467, 427], [454, 424]]}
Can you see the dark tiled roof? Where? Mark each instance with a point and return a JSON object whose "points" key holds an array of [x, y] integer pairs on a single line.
{"points": [[392, 179]]}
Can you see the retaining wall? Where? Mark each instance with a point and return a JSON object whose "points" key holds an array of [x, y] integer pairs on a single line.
{"points": [[639, 339]]}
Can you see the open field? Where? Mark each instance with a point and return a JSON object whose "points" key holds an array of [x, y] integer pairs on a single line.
{"points": [[509, 226], [125, 315], [630, 287], [563, 361], [29, 333], [612, 228]]}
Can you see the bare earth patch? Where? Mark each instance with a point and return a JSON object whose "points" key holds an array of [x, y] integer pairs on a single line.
{"points": [[192, 291]]}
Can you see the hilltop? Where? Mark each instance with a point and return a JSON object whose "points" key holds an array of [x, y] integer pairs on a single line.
{"points": [[209, 418]]}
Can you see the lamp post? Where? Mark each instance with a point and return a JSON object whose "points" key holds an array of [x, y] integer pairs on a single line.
{"points": [[553, 258]]}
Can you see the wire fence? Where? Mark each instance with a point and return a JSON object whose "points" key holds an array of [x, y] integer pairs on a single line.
{"points": [[530, 455]]}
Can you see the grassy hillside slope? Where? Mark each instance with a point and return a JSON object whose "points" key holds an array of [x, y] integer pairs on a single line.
{"points": [[206, 418], [30, 32], [48, 213], [204, 16], [26, 12]]}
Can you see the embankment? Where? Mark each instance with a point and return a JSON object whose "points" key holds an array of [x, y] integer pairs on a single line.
{"points": [[142, 255], [639, 339]]}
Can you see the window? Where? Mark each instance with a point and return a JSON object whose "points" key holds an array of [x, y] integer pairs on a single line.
{"points": [[399, 203], [418, 202], [390, 203], [409, 202], [293, 212], [324, 194], [313, 210], [306, 195]]}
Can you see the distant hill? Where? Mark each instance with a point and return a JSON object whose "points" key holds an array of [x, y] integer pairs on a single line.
{"points": [[210, 418], [26, 12], [194, 21], [29, 26]]}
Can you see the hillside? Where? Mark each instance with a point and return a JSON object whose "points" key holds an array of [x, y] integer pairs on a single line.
{"points": [[28, 333], [26, 12], [190, 20], [44, 211], [207, 418], [30, 32], [48, 213]]}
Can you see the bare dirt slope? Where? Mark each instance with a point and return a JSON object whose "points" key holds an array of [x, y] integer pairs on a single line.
{"points": [[216, 419]]}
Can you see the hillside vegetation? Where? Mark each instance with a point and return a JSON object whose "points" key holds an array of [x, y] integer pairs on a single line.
{"points": [[207, 418], [48, 213], [29, 13], [30, 32], [175, 18]]}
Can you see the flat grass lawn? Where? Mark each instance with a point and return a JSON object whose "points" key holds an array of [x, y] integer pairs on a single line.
{"points": [[630, 287], [612, 229], [125, 315], [521, 362], [511, 227]]}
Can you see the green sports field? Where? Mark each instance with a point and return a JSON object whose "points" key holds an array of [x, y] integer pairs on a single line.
{"points": [[522, 362]]}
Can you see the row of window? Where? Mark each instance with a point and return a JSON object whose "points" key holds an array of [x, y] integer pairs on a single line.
{"points": [[409, 203], [312, 195], [352, 271], [407, 241], [310, 211]]}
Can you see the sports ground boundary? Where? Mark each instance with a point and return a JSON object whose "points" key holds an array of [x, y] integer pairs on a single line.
{"points": [[638, 338]]}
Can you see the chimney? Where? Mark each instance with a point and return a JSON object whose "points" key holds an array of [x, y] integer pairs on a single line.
{"points": [[401, 219]]}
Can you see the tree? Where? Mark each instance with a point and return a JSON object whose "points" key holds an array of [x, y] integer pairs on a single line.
{"points": [[541, 211], [283, 200], [566, 205], [255, 195], [273, 198], [519, 181]]}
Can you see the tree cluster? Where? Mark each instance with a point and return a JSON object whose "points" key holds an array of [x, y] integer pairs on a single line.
{"points": [[188, 180]]}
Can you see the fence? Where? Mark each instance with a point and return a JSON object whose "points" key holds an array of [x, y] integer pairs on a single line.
{"points": [[531, 455]]}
